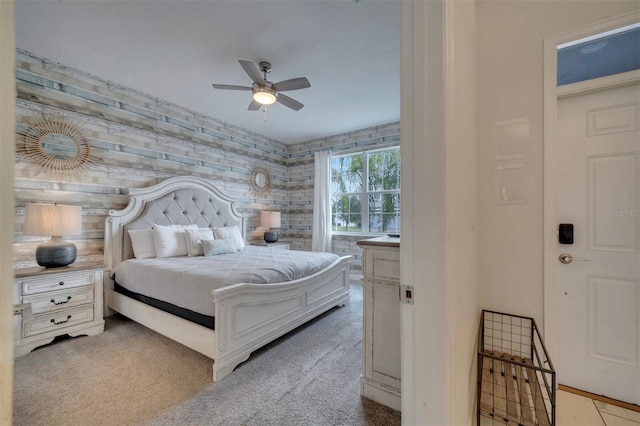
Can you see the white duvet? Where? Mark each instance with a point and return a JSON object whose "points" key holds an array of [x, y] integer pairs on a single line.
{"points": [[187, 281]]}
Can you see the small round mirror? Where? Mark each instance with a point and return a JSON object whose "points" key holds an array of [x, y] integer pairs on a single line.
{"points": [[58, 146], [260, 180]]}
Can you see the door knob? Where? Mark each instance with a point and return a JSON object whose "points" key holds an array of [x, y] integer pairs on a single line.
{"points": [[566, 258]]}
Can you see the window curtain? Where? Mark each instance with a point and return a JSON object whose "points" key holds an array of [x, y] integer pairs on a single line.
{"points": [[321, 236]]}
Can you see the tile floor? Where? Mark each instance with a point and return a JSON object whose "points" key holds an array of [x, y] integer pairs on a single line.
{"points": [[576, 410]]}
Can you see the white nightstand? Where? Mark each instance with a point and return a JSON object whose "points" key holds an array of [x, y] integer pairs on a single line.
{"points": [[280, 245], [65, 300]]}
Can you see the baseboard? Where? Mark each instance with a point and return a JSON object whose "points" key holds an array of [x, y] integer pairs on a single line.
{"points": [[600, 398], [380, 393]]}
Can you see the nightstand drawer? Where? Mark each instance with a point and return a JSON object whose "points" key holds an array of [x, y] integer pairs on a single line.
{"points": [[57, 320], [46, 302], [45, 283]]}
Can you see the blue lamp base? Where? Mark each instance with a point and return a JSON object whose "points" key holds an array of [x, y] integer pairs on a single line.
{"points": [[271, 236], [56, 253]]}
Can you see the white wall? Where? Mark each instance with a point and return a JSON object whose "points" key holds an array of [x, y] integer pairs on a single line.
{"points": [[510, 38]]}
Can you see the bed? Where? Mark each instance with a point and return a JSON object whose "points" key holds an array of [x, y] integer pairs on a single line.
{"points": [[244, 315]]}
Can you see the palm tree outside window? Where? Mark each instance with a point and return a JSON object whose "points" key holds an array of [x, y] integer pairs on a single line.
{"points": [[365, 192]]}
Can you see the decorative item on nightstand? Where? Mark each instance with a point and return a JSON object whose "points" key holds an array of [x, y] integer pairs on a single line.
{"points": [[271, 220], [56, 220]]}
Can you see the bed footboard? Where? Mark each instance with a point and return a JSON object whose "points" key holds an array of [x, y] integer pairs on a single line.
{"points": [[248, 315]]}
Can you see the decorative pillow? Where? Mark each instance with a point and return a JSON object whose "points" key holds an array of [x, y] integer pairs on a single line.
{"points": [[170, 241], [231, 233], [195, 238], [142, 243], [216, 247]]}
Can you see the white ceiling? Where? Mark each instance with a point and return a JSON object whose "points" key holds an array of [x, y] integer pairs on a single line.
{"points": [[174, 50]]}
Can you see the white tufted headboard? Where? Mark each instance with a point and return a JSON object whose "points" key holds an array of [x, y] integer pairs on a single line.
{"points": [[180, 200]]}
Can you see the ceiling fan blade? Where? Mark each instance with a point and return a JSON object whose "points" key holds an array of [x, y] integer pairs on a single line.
{"points": [[254, 106], [230, 87], [293, 84], [253, 71], [289, 102]]}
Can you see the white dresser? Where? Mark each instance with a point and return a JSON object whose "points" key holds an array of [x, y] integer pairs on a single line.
{"points": [[66, 300], [381, 345]]}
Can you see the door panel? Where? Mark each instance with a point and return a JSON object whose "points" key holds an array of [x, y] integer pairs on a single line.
{"points": [[612, 119], [612, 202], [598, 188], [613, 329]]}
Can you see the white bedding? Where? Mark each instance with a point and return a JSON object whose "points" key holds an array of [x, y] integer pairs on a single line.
{"points": [[187, 281]]}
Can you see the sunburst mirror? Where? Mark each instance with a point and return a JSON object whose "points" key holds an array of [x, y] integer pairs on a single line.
{"points": [[260, 181], [57, 146]]}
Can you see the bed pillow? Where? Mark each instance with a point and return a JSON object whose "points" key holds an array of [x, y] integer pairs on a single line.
{"points": [[231, 233], [171, 241], [195, 238], [216, 247], [142, 243]]}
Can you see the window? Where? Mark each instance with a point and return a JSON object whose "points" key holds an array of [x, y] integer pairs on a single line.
{"points": [[609, 53], [365, 192]]}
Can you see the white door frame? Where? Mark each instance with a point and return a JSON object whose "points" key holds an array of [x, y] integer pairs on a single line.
{"points": [[425, 398], [551, 95], [7, 170]]}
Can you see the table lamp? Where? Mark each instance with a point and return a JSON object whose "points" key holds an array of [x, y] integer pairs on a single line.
{"points": [[270, 220], [55, 220]]}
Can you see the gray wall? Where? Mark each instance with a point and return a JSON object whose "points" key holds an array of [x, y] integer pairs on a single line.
{"points": [[137, 140]]}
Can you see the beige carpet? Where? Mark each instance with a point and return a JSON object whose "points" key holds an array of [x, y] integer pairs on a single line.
{"points": [[132, 375]]}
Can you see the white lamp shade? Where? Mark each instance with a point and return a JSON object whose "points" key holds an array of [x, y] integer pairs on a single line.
{"points": [[53, 219], [270, 219]]}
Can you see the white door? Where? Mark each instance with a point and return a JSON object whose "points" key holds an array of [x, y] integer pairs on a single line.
{"points": [[598, 187]]}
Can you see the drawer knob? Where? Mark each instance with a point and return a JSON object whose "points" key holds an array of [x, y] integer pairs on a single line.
{"points": [[61, 283], [62, 302], [61, 322]]}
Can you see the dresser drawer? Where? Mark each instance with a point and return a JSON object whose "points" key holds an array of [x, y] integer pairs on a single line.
{"points": [[56, 300], [57, 320], [43, 284], [383, 264]]}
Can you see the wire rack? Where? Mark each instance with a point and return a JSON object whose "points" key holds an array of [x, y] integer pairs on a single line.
{"points": [[516, 379]]}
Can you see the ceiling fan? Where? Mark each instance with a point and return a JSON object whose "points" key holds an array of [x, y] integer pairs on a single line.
{"points": [[264, 91]]}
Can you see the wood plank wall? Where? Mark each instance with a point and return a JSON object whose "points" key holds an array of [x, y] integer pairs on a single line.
{"points": [[138, 140]]}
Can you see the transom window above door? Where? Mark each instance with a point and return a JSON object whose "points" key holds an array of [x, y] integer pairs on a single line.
{"points": [[609, 53]]}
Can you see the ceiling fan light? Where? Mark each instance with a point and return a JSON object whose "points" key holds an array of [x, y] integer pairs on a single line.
{"points": [[264, 96]]}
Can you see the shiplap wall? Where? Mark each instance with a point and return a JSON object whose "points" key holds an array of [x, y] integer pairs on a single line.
{"points": [[138, 140]]}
